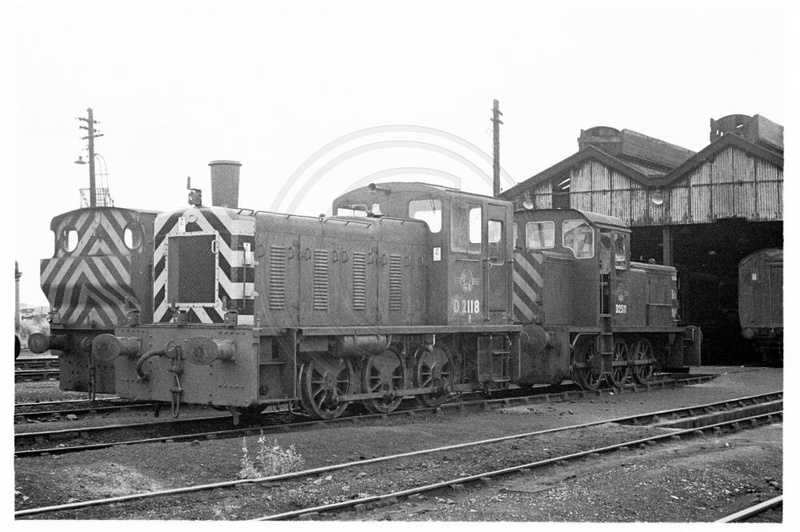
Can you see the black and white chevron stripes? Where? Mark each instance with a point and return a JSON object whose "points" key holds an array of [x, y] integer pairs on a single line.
{"points": [[528, 285], [234, 280], [89, 285]]}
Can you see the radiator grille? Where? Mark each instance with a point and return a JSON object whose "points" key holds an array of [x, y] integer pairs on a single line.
{"points": [[192, 267], [359, 281], [320, 279], [395, 282], [277, 278]]}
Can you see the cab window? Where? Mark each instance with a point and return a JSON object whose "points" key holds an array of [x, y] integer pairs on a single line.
{"points": [[429, 211], [465, 228], [540, 235], [132, 236], [69, 239], [578, 236], [621, 251], [352, 210], [495, 240]]}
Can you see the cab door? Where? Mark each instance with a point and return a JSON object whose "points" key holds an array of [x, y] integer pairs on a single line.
{"points": [[466, 280], [496, 262]]}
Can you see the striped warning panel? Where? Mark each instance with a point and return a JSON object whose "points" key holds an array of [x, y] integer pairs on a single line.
{"points": [[528, 285], [98, 231], [88, 291], [674, 299], [90, 284], [210, 270]]}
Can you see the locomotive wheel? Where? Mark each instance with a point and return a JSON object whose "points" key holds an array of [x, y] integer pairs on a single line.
{"points": [[434, 368], [322, 382], [585, 351], [383, 372], [642, 350], [620, 375]]}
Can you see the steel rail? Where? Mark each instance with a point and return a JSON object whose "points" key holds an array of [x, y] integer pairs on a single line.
{"points": [[66, 401], [36, 363], [346, 465], [83, 410], [484, 404], [81, 431], [36, 375], [392, 497], [754, 510]]}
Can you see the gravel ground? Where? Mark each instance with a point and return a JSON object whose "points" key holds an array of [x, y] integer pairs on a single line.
{"points": [[695, 481], [638, 486]]}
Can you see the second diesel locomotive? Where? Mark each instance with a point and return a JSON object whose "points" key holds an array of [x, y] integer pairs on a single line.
{"points": [[411, 290]]}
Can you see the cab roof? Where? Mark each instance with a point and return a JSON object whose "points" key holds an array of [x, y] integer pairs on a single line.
{"points": [[411, 187], [597, 219]]}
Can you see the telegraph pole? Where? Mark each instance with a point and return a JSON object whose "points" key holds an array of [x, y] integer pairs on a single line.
{"points": [[496, 114], [17, 275], [89, 127]]}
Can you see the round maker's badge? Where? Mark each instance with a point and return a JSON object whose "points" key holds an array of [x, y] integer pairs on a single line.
{"points": [[467, 281]]}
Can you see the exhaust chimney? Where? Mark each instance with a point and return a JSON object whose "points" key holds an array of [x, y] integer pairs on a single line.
{"points": [[225, 183]]}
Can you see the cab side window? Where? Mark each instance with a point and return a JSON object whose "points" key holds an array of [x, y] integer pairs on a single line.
{"points": [[495, 239], [540, 235], [578, 236], [465, 228], [621, 250], [429, 211]]}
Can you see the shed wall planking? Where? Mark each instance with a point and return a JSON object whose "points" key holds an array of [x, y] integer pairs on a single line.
{"points": [[769, 205], [745, 200], [581, 178], [679, 211], [722, 201], [543, 196], [581, 200], [621, 205], [639, 208], [701, 203], [733, 183], [722, 166]]}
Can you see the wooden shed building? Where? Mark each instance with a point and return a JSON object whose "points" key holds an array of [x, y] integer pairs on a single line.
{"points": [[701, 212]]}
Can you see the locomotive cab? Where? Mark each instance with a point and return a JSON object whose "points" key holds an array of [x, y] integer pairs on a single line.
{"points": [[583, 250], [470, 248], [97, 279], [606, 317]]}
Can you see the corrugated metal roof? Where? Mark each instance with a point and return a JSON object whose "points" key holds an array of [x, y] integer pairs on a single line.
{"points": [[647, 171]]}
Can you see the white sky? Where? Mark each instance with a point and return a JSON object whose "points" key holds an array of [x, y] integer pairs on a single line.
{"points": [[177, 84]]}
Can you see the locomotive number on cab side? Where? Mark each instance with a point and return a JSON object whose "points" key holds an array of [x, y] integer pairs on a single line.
{"points": [[466, 306]]}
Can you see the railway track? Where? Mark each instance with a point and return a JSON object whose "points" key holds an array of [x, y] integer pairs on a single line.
{"points": [[36, 362], [36, 375], [758, 512], [34, 369], [708, 421], [647, 430], [79, 439], [57, 411]]}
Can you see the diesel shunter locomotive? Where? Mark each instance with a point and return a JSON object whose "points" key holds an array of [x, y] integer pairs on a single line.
{"points": [[408, 290]]}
